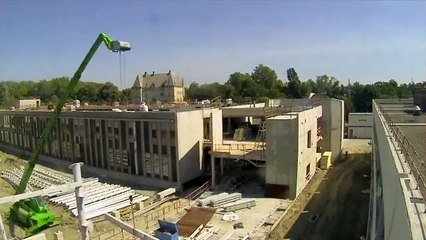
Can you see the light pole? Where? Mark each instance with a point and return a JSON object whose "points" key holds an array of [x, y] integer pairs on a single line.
{"points": [[133, 216]]}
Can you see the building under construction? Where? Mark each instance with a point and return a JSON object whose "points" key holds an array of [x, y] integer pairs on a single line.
{"points": [[283, 142]]}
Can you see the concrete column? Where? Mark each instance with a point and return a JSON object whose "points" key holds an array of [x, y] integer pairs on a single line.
{"points": [[59, 136], [79, 195], [221, 166], [142, 145], [85, 142], [151, 147], [160, 151], [95, 136], [89, 141], [169, 157], [102, 136], [114, 150], [107, 136], [135, 148], [126, 146], [120, 145], [71, 128], [213, 166]]}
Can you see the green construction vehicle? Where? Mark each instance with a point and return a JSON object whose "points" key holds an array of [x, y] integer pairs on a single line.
{"points": [[33, 213]]}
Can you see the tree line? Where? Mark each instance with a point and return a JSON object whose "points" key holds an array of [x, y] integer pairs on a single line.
{"points": [[259, 85], [263, 84], [49, 91]]}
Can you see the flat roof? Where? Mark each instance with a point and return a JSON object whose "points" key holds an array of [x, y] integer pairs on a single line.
{"points": [[399, 113], [410, 133]]}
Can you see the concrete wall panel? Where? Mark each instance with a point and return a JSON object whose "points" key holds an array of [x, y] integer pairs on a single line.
{"points": [[190, 143], [396, 224]]}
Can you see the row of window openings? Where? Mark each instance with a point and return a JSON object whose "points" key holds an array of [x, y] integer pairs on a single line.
{"points": [[154, 132]]}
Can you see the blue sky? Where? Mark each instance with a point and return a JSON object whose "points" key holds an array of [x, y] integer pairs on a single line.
{"points": [[206, 41]]}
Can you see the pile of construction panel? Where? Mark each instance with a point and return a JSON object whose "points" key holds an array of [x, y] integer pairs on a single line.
{"points": [[240, 204], [219, 200], [100, 198]]}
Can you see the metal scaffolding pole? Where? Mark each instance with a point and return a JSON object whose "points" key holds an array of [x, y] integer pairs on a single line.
{"points": [[79, 195]]}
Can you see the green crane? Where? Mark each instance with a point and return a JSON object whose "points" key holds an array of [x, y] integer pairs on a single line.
{"points": [[33, 213]]}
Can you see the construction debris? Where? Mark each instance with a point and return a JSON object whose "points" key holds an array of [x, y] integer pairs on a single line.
{"points": [[230, 217]]}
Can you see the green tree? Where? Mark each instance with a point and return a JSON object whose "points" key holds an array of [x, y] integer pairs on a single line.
{"points": [[126, 94], [295, 88], [404, 91], [264, 76], [237, 80], [4, 94], [108, 92], [329, 86], [87, 92], [363, 96]]}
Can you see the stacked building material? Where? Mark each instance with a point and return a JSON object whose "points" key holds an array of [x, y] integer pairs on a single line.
{"points": [[100, 198], [219, 199], [240, 204], [218, 202], [208, 200]]}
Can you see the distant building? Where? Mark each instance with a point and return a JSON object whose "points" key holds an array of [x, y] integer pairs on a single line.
{"points": [[23, 104], [360, 125], [163, 87]]}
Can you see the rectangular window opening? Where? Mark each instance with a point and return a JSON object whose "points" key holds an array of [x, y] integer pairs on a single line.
{"points": [[309, 139]]}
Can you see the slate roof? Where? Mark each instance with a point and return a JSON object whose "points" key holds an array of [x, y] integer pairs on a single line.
{"points": [[158, 80]]}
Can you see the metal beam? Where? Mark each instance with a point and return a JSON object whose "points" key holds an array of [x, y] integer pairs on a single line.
{"points": [[43, 192], [130, 229]]}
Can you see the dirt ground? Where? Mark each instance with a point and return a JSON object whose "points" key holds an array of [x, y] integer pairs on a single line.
{"points": [[193, 219], [339, 198]]}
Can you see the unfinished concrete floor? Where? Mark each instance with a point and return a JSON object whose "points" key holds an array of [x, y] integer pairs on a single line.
{"points": [[339, 198]]}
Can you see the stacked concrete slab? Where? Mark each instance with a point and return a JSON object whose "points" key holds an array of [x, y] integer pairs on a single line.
{"points": [[240, 204], [100, 198], [219, 199]]}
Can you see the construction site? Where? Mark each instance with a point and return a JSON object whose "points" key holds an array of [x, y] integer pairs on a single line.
{"points": [[214, 170]]}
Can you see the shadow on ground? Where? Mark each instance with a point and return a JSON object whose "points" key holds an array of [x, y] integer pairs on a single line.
{"points": [[339, 207]]}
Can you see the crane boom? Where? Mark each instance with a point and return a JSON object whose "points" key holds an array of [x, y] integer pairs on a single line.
{"points": [[112, 45]]}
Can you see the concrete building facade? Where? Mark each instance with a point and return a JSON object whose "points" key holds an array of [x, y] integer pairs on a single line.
{"points": [[332, 126], [161, 149], [397, 191], [292, 150], [163, 87], [171, 148], [360, 125]]}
